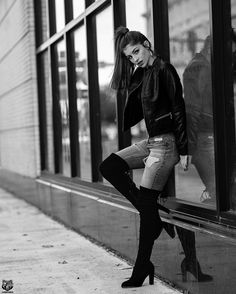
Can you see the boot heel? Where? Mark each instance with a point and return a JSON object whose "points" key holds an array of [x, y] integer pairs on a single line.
{"points": [[151, 277]]}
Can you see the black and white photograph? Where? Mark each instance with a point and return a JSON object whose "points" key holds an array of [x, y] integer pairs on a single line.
{"points": [[118, 146]]}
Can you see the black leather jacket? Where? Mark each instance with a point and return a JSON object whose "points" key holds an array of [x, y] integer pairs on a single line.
{"points": [[155, 94]]}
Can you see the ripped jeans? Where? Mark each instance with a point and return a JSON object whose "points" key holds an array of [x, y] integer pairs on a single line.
{"points": [[157, 155]]}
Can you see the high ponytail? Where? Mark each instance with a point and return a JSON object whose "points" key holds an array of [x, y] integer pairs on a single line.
{"points": [[122, 66]]}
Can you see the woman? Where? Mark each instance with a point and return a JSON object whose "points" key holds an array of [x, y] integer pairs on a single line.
{"points": [[198, 100], [154, 92]]}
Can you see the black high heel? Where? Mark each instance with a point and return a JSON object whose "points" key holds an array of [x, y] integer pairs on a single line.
{"points": [[194, 268], [137, 278]]}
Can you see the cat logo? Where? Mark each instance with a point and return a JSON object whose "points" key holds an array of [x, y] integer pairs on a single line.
{"points": [[7, 285]]}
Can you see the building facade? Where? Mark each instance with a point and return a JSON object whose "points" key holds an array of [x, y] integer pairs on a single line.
{"points": [[59, 119]]}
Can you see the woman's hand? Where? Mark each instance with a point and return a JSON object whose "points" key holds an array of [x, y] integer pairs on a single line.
{"points": [[184, 160]]}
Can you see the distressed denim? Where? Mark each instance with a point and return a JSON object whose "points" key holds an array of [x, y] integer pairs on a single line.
{"points": [[157, 155]]}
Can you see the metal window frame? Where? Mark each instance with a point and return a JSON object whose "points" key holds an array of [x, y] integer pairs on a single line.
{"points": [[42, 112], [218, 28], [72, 98], [119, 19], [57, 128], [94, 99]]}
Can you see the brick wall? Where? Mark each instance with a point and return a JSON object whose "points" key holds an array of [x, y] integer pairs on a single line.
{"points": [[19, 128]]}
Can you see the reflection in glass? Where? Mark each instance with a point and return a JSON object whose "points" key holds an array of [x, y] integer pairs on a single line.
{"points": [[82, 103], [105, 47], [232, 106], [60, 14], [190, 263], [190, 53], [139, 19], [49, 119], [64, 108], [78, 7]]}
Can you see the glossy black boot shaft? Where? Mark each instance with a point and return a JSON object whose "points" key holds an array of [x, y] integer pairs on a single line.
{"points": [[150, 229]]}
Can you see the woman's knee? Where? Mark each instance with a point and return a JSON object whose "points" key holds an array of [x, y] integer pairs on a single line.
{"points": [[113, 164]]}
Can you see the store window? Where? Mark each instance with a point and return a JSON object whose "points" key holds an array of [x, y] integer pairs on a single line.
{"points": [[60, 14], [105, 48], [61, 109], [232, 107], [78, 7], [190, 53], [42, 21], [82, 103]]}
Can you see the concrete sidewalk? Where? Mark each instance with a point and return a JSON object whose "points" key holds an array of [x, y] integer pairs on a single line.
{"points": [[42, 256]]}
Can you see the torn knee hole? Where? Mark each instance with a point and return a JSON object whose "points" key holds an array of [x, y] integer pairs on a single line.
{"points": [[150, 160]]}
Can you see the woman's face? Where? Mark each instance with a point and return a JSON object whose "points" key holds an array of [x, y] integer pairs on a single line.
{"points": [[139, 55]]}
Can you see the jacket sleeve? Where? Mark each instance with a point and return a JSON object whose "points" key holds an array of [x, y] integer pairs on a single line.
{"points": [[173, 89]]}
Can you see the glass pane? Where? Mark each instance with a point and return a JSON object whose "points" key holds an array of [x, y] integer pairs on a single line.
{"points": [[82, 103], [78, 7], [190, 53], [60, 14], [45, 100], [64, 108], [43, 22], [232, 106], [105, 48], [49, 118], [139, 19]]}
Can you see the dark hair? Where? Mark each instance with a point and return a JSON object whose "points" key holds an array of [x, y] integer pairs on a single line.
{"points": [[123, 68]]}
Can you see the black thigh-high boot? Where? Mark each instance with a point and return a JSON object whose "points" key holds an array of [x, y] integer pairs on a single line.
{"points": [[115, 170], [150, 229], [190, 263]]}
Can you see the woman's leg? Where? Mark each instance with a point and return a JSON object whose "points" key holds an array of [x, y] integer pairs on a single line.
{"points": [[115, 169], [158, 165], [150, 229]]}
